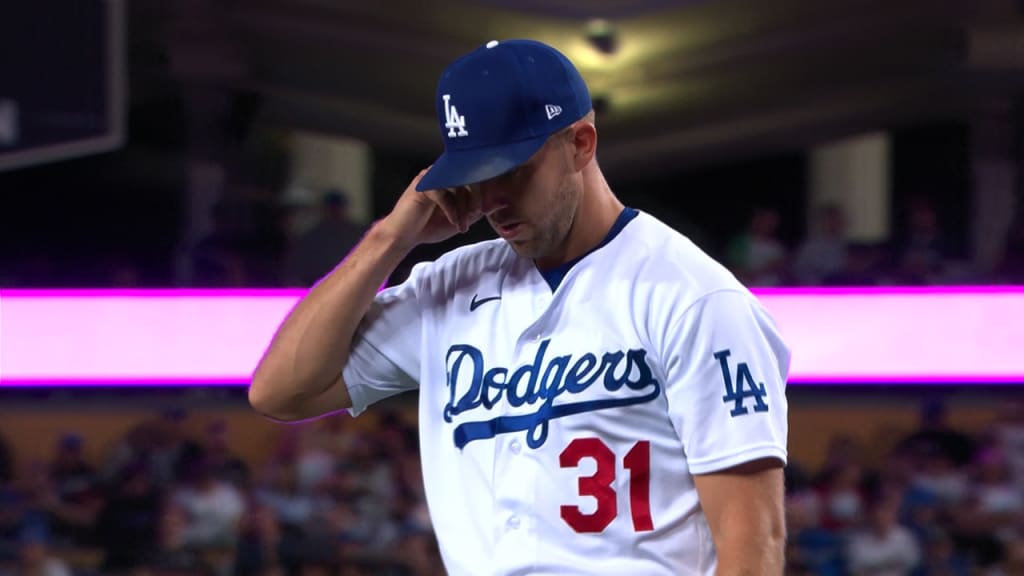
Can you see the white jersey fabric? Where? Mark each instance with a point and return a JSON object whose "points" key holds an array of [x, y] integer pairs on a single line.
{"points": [[560, 430]]}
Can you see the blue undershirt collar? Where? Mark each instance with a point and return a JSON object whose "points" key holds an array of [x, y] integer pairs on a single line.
{"points": [[555, 275]]}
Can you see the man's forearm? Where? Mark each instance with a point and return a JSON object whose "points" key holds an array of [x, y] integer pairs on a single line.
{"points": [[754, 558], [306, 355]]}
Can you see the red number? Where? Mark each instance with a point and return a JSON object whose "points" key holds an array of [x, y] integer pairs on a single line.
{"points": [[599, 485], [638, 461]]}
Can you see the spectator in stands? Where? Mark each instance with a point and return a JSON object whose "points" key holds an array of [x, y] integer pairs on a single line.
{"points": [[919, 509], [1010, 268], [368, 510], [263, 244], [392, 435], [217, 259], [174, 555], [322, 445], [172, 448], [882, 547], [410, 511], [843, 451], [163, 442], [34, 556], [374, 467], [126, 529], [840, 491], [938, 474], [941, 558], [923, 250], [840, 484], [1014, 563], [1008, 430], [757, 256], [259, 542], [295, 491], [418, 551], [318, 250], [293, 508], [11, 503], [935, 433], [295, 512], [994, 508], [812, 549], [862, 266], [212, 508], [76, 491], [361, 497], [823, 252], [224, 464], [6, 462], [134, 447]]}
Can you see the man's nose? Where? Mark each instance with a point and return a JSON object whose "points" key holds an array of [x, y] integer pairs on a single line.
{"points": [[493, 197]]}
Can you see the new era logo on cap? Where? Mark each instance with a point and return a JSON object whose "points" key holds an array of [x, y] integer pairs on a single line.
{"points": [[552, 110]]}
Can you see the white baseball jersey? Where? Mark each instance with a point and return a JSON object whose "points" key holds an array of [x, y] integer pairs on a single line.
{"points": [[560, 429]]}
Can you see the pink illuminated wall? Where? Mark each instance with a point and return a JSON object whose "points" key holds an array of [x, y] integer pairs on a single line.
{"points": [[914, 335], [136, 337], [180, 337]]}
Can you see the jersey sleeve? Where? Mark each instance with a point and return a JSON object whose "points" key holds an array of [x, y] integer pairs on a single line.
{"points": [[726, 367], [385, 355]]}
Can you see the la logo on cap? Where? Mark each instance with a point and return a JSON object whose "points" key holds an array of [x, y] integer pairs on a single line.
{"points": [[453, 121]]}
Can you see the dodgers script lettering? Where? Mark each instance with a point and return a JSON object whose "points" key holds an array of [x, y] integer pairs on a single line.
{"points": [[547, 384]]}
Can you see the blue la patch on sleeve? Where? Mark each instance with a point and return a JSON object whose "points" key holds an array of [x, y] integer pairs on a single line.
{"points": [[745, 386]]}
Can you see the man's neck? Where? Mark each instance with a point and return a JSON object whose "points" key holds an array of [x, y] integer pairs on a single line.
{"points": [[594, 218]]}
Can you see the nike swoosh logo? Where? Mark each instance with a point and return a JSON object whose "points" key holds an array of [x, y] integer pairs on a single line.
{"points": [[474, 303]]}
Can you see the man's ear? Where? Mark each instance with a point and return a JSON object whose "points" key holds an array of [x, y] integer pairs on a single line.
{"points": [[584, 141]]}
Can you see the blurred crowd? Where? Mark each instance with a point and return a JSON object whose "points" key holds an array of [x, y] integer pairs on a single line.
{"points": [[334, 498], [329, 499], [921, 253], [939, 503], [256, 243]]}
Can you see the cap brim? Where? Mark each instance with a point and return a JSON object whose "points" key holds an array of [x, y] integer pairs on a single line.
{"points": [[461, 167]]}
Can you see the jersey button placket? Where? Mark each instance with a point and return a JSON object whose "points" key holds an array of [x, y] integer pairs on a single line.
{"points": [[515, 484]]}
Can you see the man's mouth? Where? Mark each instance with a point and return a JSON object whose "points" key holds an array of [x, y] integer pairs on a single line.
{"points": [[509, 230]]}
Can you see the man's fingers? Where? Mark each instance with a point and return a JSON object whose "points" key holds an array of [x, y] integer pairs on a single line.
{"points": [[471, 208], [465, 202], [461, 206], [446, 201]]}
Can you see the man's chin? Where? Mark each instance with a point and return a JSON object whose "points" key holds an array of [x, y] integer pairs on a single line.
{"points": [[517, 245], [522, 247]]}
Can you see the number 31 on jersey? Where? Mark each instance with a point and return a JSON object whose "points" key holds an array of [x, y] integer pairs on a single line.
{"points": [[599, 485]]}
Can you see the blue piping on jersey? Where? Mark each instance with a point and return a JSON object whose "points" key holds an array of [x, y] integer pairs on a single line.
{"points": [[554, 276], [537, 423]]}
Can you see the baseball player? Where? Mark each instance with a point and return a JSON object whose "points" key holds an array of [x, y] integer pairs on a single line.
{"points": [[596, 395]]}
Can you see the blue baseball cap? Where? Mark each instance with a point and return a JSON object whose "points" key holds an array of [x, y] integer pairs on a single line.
{"points": [[497, 106]]}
